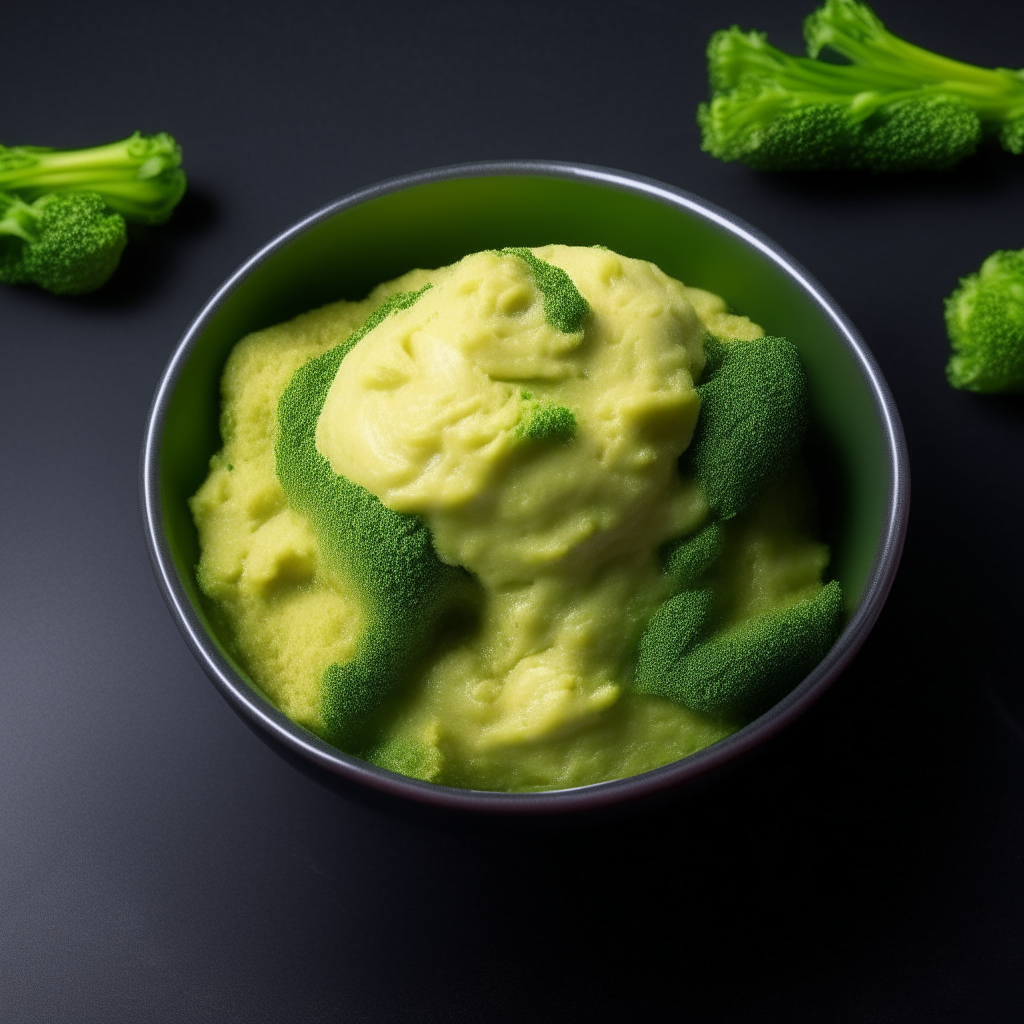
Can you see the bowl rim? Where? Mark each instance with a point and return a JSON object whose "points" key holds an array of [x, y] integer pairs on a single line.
{"points": [[698, 766]]}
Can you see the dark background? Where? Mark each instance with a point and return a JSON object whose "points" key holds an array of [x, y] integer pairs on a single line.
{"points": [[159, 862]]}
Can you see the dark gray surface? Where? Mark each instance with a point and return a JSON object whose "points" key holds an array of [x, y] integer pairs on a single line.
{"points": [[159, 862]]}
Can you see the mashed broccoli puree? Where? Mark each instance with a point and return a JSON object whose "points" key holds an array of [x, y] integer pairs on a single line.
{"points": [[527, 408]]}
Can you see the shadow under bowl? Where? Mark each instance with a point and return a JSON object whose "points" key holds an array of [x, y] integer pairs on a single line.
{"points": [[436, 217]]}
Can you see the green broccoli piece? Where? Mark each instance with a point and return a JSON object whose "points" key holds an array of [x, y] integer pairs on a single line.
{"points": [[673, 630], [68, 243], [683, 618], [139, 177], [564, 308], [752, 421], [985, 322], [893, 107], [687, 559], [738, 673], [389, 556], [542, 421]]}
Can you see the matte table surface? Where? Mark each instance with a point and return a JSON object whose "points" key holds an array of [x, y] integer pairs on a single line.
{"points": [[160, 862]]}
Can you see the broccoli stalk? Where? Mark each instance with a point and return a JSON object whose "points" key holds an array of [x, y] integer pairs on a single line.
{"points": [[985, 322], [68, 244], [139, 177], [894, 107]]}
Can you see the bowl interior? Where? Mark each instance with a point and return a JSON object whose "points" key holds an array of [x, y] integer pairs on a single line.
{"points": [[437, 222]]}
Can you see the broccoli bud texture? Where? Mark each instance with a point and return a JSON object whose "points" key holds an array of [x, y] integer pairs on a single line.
{"points": [[892, 107], [139, 177], [752, 421], [388, 555], [66, 243], [542, 421], [564, 308], [985, 322], [742, 671], [686, 560]]}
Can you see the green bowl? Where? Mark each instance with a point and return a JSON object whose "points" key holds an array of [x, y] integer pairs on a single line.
{"points": [[436, 217]]}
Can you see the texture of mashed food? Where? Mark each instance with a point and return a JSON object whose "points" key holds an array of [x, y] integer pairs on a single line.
{"points": [[544, 462]]}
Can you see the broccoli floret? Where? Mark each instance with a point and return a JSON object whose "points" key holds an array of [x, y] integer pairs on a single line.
{"points": [[140, 177], [389, 556], [686, 560], [564, 308], [542, 421], [893, 107], [752, 422], [67, 243], [753, 417], [985, 322], [741, 672], [673, 630]]}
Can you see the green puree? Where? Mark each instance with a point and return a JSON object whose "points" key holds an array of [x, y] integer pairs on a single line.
{"points": [[403, 585], [531, 521]]}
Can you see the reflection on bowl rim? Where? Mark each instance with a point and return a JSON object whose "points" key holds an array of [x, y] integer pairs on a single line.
{"points": [[258, 709]]}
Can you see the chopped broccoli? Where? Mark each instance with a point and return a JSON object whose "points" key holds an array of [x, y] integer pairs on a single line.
{"points": [[673, 630], [389, 556], [893, 107], [564, 308], [686, 560], [985, 322], [752, 420], [67, 243], [542, 421], [139, 177], [741, 672]]}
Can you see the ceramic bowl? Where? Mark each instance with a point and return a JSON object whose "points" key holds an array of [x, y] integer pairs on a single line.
{"points": [[436, 217]]}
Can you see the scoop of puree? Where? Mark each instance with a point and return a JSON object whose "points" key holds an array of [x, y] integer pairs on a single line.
{"points": [[543, 454]]}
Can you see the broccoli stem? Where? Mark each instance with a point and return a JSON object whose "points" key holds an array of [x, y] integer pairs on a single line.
{"points": [[139, 177], [870, 83], [17, 218], [894, 107], [855, 32], [736, 56]]}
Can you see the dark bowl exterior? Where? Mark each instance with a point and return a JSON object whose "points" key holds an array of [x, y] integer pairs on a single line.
{"points": [[852, 400]]}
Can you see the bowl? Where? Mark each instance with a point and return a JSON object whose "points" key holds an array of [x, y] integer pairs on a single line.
{"points": [[434, 218]]}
